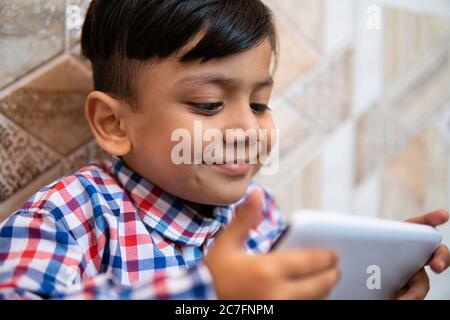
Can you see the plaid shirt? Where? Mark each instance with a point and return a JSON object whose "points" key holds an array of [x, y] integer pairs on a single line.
{"points": [[107, 233]]}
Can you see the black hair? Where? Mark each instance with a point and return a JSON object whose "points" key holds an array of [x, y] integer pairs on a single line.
{"points": [[120, 36]]}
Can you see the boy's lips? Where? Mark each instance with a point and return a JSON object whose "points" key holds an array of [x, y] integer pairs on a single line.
{"points": [[234, 168], [238, 168]]}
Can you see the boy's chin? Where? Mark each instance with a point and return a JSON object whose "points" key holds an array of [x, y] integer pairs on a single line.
{"points": [[227, 199], [224, 196]]}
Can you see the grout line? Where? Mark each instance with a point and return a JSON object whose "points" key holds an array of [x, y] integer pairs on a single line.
{"points": [[287, 21], [33, 74], [83, 68], [66, 31]]}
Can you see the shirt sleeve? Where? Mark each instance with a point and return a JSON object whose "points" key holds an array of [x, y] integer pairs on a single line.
{"points": [[39, 259]]}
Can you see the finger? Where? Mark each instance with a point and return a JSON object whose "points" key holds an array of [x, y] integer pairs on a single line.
{"points": [[245, 219], [417, 288], [317, 286], [440, 259], [401, 292], [434, 218], [300, 263]]}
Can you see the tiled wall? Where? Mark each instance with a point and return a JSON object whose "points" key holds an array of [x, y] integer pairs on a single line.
{"points": [[43, 85], [364, 109]]}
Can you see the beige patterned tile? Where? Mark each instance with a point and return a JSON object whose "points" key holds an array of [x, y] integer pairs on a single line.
{"points": [[442, 123], [416, 179], [288, 197], [325, 96], [302, 191], [438, 171], [379, 134], [366, 197], [396, 202], [311, 178], [31, 32], [408, 39], [22, 158], [51, 107], [293, 127], [408, 169], [299, 144], [295, 58], [270, 3], [306, 17], [430, 89]]}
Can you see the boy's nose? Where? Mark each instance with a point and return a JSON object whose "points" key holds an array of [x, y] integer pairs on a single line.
{"points": [[242, 117]]}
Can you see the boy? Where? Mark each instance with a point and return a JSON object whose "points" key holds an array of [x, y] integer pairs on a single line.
{"points": [[140, 226]]}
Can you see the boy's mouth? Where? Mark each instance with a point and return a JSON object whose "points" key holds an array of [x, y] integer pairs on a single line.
{"points": [[235, 161], [236, 168]]}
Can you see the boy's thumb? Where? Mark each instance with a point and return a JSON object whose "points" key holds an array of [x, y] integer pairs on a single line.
{"points": [[247, 215]]}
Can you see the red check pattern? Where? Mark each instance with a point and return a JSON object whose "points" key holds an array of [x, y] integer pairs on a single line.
{"points": [[105, 232]]}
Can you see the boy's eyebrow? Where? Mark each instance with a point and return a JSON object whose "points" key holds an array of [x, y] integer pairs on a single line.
{"points": [[219, 79]]}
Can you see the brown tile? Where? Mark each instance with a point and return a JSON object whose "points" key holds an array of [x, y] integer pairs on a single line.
{"points": [[16, 200], [31, 32], [88, 152], [22, 158], [51, 107]]}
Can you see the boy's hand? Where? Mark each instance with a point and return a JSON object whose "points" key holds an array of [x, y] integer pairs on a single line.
{"points": [[294, 274], [418, 286]]}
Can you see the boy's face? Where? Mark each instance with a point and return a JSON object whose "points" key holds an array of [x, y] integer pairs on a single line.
{"points": [[233, 91]]}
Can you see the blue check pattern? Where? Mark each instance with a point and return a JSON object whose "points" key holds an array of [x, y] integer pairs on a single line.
{"points": [[105, 232]]}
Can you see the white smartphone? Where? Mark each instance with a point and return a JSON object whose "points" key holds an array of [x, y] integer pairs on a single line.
{"points": [[377, 257]]}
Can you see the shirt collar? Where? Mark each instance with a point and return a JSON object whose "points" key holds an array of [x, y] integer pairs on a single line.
{"points": [[168, 215]]}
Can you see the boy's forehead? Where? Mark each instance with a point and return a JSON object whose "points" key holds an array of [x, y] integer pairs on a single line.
{"points": [[251, 66], [222, 79]]}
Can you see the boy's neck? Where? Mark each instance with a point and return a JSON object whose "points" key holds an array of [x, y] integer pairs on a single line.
{"points": [[203, 209]]}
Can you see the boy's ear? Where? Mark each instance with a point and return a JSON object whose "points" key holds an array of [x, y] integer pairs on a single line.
{"points": [[106, 117]]}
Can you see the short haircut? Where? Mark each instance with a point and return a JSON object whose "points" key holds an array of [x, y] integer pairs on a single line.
{"points": [[119, 37]]}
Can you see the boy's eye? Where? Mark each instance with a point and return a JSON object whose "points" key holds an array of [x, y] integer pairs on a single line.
{"points": [[212, 108], [207, 108], [259, 108]]}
